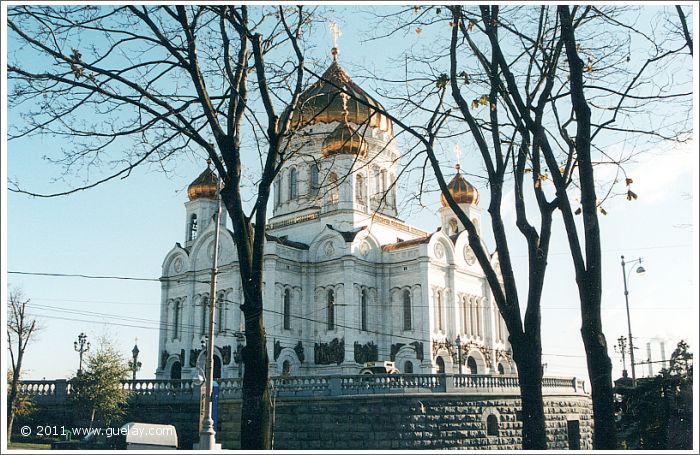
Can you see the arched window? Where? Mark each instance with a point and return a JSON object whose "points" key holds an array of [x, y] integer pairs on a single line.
{"points": [[360, 189], [499, 324], [492, 425], [286, 368], [377, 182], [217, 367], [287, 310], [440, 365], [314, 179], [471, 364], [452, 227], [219, 320], [407, 310], [478, 318], [465, 316], [293, 183], [278, 190], [193, 227], [330, 310], [205, 315], [501, 370], [438, 304], [472, 316], [176, 319], [363, 310], [176, 371], [391, 197], [333, 188], [408, 367]]}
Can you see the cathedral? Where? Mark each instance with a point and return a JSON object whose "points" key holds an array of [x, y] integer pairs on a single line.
{"points": [[347, 282]]}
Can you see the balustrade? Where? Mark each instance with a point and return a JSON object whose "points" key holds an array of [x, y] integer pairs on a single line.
{"points": [[229, 388]]}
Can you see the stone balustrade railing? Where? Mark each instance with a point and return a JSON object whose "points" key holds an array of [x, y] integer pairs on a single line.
{"points": [[59, 390]]}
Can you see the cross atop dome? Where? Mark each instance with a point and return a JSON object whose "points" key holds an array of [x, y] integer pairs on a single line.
{"points": [[336, 33]]}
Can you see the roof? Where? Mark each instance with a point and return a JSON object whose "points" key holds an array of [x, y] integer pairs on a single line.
{"points": [[283, 240], [406, 243], [348, 236]]}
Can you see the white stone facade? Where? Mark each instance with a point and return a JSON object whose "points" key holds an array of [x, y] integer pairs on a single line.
{"points": [[346, 281]]}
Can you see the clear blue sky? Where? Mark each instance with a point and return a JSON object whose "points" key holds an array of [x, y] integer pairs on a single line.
{"points": [[125, 228]]}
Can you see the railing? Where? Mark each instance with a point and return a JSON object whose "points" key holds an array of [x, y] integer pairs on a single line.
{"points": [[308, 386]]}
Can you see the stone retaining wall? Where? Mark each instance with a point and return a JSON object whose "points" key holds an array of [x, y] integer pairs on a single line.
{"points": [[426, 421]]}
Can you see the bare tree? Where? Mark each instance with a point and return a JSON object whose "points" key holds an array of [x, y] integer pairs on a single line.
{"points": [[171, 79], [21, 329], [516, 92], [684, 27]]}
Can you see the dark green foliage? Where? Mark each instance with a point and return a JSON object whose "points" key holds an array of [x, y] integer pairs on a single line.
{"points": [[658, 413]]}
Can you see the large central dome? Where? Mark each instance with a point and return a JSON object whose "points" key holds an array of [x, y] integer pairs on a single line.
{"points": [[323, 103]]}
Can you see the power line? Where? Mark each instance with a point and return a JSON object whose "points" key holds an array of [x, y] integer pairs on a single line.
{"points": [[194, 326], [79, 275]]}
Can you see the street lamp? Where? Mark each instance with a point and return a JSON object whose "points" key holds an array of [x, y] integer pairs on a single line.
{"points": [[207, 434], [625, 277], [134, 365], [459, 354], [81, 346]]}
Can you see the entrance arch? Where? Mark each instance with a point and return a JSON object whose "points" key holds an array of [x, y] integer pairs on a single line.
{"points": [[176, 371], [440, 365]]}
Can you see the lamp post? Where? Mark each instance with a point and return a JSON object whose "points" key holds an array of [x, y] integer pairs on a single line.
{"points": [[621, 343], [207, 434], [81, 346], [134, 364], [625, 278], [459, 354]]}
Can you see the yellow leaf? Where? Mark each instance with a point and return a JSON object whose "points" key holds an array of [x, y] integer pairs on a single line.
{"points": [[493, 106], [475, 104], [418, 29], [484, 100], [470, 26]]}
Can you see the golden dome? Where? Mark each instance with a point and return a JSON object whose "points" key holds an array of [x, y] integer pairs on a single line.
{"points": [[203, 186], [344, 140], [323, 103], [462, 191]]}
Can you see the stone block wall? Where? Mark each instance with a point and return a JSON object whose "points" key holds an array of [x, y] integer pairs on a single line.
{"points": [[430, 421]]}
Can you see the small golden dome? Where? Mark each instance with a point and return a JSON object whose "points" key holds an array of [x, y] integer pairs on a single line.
{"points": [[344, 140], [203, 186], [323, 103], [462, 191]]}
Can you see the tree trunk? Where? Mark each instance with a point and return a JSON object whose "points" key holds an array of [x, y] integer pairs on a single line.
{"points": [[256, 407], [528, 359], [589, 275], [599, 374], [12, 398]]}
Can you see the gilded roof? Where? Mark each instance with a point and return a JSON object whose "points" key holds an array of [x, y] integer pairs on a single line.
{"points": [[344, 140], [462, 191], [323, 103], [203, 186]]}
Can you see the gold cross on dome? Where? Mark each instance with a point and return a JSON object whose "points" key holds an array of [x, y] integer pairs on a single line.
{"points": [[458, 153], [335, 32]]}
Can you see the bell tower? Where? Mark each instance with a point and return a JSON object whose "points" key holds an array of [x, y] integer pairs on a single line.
{"points": [[467, 197], [202, 204]]}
